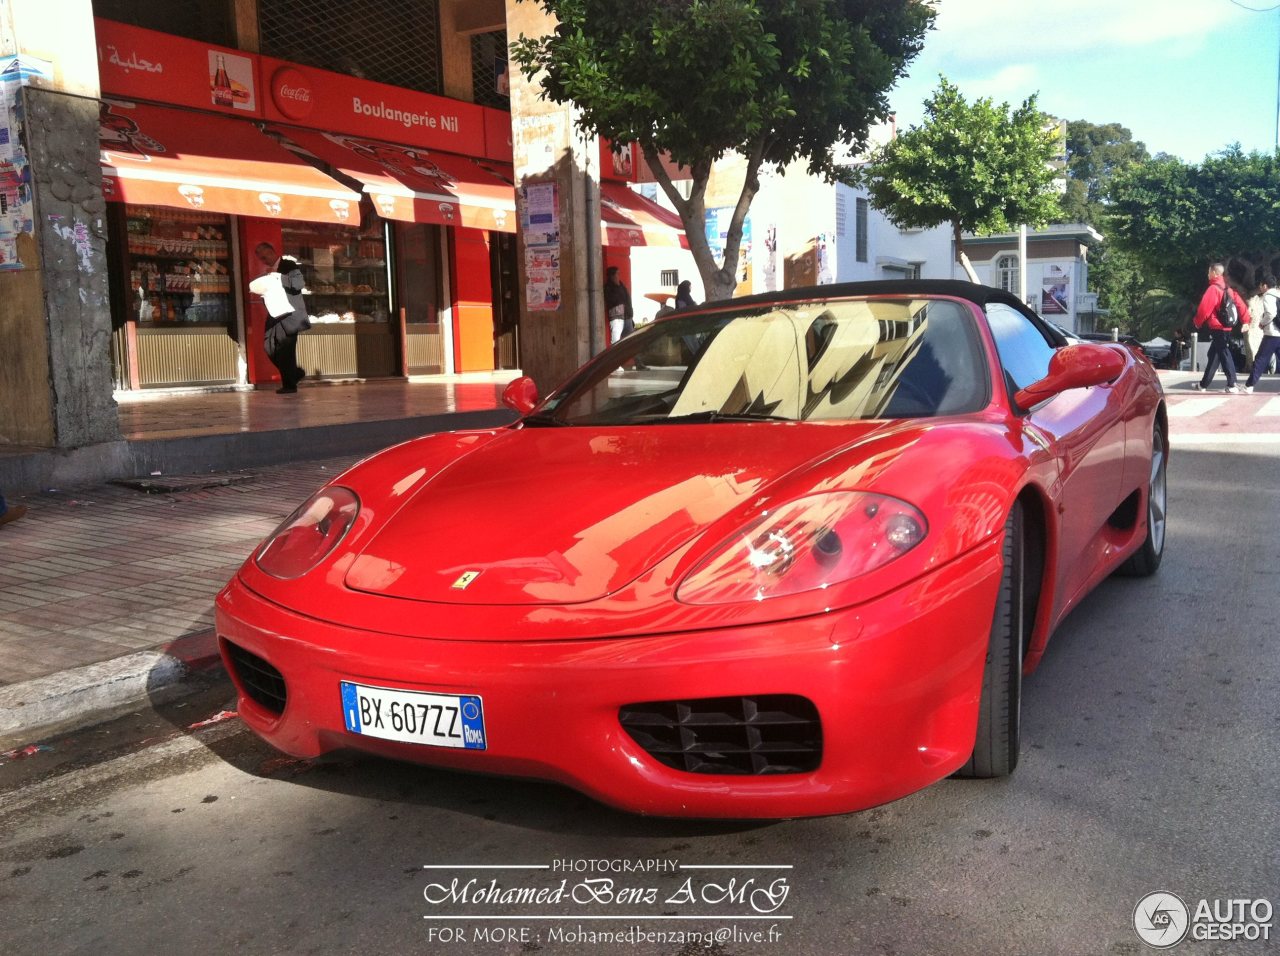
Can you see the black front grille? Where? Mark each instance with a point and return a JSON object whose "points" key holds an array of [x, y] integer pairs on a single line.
{"points": [[771, 734], [262, 683]]}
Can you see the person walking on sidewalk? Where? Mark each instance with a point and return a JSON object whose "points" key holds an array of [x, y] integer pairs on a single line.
{"points": [[617, 305], [1253, 337], [281, 288], [1270, 323], [10, 512], [1207, 318]]}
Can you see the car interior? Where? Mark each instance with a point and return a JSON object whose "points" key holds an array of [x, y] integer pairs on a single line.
{"points": [[821, 361]]}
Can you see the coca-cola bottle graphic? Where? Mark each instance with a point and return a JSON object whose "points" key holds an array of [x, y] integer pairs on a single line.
{"points": [[222, 85]]}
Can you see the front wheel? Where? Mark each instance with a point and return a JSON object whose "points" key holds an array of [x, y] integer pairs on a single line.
{"points": [[1146, 560], [995, 751]]}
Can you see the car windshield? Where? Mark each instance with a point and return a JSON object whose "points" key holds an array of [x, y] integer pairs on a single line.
{"points": [[806, 361]]}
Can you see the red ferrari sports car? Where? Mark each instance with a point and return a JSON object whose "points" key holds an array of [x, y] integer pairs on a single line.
{"points": [[783, 555]]}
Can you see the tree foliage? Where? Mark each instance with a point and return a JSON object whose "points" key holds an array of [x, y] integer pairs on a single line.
{"points": [[1095, 154], [1176, 218], [774, 80], [979, 167]]}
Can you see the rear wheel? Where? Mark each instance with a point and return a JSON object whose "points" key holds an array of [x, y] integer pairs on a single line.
{"points": [[995, 752], [1146, 560]]}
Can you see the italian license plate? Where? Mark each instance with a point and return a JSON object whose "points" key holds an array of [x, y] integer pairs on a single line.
{"points": [[415, 717]]}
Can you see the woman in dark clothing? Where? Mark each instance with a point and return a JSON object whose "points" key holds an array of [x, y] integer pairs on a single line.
{"points": [[684, 296], [281, 288]]}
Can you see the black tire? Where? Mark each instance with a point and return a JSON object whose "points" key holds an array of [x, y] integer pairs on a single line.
{"points": [[1146, 560], [995, 751]]}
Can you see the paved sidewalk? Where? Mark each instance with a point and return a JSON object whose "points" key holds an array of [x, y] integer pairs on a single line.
{"points": [[106, 592]]}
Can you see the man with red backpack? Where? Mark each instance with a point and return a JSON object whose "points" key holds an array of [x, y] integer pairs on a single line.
{"points": [[1222, 312]]}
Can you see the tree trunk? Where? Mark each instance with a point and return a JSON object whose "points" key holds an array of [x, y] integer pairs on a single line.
{"points": [[719, 279]]}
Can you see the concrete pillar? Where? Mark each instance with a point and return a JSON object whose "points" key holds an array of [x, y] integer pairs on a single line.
{"points": [[55, 321], [557, 179]]}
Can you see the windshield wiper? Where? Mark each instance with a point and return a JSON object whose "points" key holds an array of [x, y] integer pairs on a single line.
{"points": [[722, 417], [543, 421]]}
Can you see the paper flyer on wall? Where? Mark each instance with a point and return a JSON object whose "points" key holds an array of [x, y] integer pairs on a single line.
{"points": [[15, 185], [541, 223]]}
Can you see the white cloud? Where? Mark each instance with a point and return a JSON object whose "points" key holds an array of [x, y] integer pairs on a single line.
{"points": [[976, 30]]}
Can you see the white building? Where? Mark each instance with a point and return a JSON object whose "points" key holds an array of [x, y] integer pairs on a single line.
{"points": [[802, 231], [1057, 268]]}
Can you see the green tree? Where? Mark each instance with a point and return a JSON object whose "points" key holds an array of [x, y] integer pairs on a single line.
{"points": [[773, 80], [1095, 153], [1117, 277], [980, 167], [1176, 218]]}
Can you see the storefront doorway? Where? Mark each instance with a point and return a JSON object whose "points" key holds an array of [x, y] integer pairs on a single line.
{"points": [[506, 301]]}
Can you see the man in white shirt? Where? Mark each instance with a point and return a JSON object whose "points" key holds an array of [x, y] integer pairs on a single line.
{"points": [[1270, 323]]}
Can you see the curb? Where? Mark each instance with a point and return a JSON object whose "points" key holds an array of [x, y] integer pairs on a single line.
{"points": [[88, 695]]}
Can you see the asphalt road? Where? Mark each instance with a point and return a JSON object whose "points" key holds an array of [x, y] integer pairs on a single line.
{"points": [[1149, 763]]}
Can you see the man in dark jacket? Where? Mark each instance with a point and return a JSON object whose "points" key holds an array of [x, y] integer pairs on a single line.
{"points": [[1207, 318], [617, 305]]}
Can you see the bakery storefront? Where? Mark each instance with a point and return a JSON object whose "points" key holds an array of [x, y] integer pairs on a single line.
{"points": [[398, 204]]}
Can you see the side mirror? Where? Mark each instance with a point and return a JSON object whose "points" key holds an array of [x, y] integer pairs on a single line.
{"points": [[521, 395], [1075, 366]]}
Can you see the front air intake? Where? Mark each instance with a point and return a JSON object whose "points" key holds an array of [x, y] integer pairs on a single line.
{"points": [[261, 683], [769, 734]]}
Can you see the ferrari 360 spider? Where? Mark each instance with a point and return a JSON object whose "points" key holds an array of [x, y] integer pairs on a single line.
{"points": [[782, 555]]}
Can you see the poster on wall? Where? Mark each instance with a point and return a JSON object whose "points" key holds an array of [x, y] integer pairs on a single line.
{"points": [[1055, 293], [541, 225], [231, 83], [16, 208], [771, 258], [825, 276]]}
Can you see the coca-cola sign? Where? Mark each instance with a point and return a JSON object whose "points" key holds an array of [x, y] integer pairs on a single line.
{"points": [[291, 93]]}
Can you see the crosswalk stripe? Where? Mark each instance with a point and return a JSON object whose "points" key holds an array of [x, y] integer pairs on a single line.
{"points": [[1271, 408], [1192, 407]]}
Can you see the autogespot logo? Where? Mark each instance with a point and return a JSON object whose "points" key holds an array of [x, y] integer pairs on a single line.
{"points": [[1161, 920]]}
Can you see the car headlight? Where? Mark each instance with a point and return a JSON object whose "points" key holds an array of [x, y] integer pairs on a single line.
{"points": [[807, 544], [309, 534]]}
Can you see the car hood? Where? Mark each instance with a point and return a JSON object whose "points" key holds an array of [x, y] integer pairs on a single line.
{"points": [[569, 515]]}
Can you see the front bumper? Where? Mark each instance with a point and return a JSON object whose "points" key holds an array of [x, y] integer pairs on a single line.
{"points": [[895, 682]]}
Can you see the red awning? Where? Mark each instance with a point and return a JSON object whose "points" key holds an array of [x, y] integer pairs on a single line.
{"points": [[629, 219], [155, 155], [412, 184]]}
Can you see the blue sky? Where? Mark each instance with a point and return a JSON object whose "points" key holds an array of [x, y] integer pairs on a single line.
{"points": [[1188, 77]]}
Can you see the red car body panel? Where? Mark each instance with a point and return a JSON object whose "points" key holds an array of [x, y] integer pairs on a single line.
{"points": [[551, 707], [578, 537]]}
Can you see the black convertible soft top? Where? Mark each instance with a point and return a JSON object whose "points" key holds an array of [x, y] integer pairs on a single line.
{"points": [[978, 294]]}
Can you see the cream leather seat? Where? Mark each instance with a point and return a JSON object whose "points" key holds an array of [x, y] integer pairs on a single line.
{"points": [[750, 360]]}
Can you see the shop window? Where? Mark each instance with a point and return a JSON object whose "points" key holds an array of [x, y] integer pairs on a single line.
{"points": [[387, 41], [345, 270], [173, 315], [490, 79], [349, 299], [179, 267], [206, 22]]}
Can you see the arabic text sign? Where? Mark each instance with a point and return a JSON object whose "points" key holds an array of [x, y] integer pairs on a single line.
{"points": [[134, 63]]}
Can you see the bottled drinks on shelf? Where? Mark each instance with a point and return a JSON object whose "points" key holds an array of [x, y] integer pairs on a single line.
{"points": [[180, 266]]}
